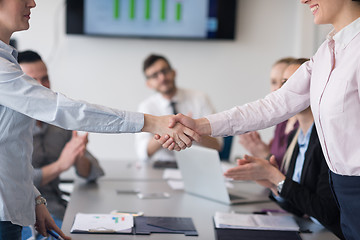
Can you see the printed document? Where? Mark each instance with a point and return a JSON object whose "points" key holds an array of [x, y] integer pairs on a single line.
{"points": [[102, 223], [255, 221]]}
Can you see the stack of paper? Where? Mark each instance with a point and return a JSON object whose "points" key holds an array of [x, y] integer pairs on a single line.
{"points": [[102, 223], [255, 221], [174, 178], [173, 174]]}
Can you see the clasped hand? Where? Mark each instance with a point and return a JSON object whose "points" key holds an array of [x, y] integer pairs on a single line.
{"points": [[264, 172], [183, 130], [73, 150]]}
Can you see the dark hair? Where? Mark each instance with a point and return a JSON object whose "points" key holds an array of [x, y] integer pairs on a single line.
{"points": [[299, 61], [150, 60], [28, 57]]}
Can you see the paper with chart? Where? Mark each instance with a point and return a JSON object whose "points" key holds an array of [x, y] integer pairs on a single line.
{"points": [[102, 223], [255, 221]]}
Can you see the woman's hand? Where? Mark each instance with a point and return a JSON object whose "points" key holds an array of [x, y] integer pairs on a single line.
{"points": [[253, 143], [256, 169]]}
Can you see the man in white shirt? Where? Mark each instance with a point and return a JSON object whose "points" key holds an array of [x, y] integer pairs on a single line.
{"points": [[169, 99]]}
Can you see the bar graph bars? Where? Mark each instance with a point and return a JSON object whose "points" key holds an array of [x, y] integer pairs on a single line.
{"points": [[116, 9], [148, 9], [178, 11], [163, 10], [132, 9]]}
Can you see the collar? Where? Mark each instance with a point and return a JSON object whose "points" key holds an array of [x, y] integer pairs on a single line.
{"points": [[166, 102], [303, 140], [9, 49], [345, 35]]}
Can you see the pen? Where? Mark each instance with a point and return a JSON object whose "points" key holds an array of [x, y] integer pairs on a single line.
{"points": [[54, 235], [273, 210]]}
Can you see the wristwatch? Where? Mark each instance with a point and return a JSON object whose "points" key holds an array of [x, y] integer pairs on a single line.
{"points": [[280, 186], [40, 200]]}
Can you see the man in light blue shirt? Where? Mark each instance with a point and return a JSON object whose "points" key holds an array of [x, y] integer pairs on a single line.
{"points": [[22, 100]]}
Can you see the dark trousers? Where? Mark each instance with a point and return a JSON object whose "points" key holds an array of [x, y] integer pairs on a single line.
{"points": [[346, 190], [9, 231]]}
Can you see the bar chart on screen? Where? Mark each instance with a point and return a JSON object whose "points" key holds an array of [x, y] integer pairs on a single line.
{"points": [[147, 17], [147, 7]]}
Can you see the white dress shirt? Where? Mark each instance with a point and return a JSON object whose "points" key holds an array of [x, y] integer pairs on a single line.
{"points": [[191, 102], [330, 82], [22, 99]]}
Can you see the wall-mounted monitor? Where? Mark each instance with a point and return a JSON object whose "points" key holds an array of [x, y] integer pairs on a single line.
{"points": [[178, 19]]}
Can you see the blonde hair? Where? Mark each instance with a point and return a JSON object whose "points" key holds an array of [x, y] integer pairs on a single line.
{"points": [[299, 61], [286, 60]]}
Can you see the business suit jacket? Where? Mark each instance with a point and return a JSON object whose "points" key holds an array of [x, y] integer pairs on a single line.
{"points": [[312, 196]]}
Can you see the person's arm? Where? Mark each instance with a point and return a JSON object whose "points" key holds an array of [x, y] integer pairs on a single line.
{"points": [[45, 222], [253, 143], [257, 169], [319, 204], [23, 94], [152, 147], [207, 141], [73, 150], [88, 167], [291, 98], [50, 172], [206, 108], [83, 166]]}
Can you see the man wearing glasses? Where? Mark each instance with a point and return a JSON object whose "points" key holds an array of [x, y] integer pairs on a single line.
{"points": [[169, 99]]}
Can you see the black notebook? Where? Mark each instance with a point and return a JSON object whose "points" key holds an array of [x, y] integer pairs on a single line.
{"points": [[148, 225], [245, 234]]}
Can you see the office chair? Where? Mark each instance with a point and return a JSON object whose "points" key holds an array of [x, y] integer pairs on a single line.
{"points": [[225, 152]]}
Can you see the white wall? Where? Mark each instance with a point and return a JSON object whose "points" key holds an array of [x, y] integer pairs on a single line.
{"points": [[108, 70]]}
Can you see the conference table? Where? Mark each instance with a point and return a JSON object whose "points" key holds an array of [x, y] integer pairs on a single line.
{"points": [[110, 193]]}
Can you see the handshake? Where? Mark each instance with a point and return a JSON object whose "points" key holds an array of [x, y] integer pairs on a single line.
{"points": [[176, 132]]}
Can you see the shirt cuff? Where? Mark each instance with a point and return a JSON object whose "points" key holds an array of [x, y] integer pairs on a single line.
{"points": [[134, 122], [220, 126], [36, 191]]}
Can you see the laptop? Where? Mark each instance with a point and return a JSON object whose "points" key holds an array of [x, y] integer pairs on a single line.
{"points": [[203, 176]]}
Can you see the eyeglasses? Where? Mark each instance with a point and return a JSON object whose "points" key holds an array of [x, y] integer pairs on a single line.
{"points": [[156, 75]]}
